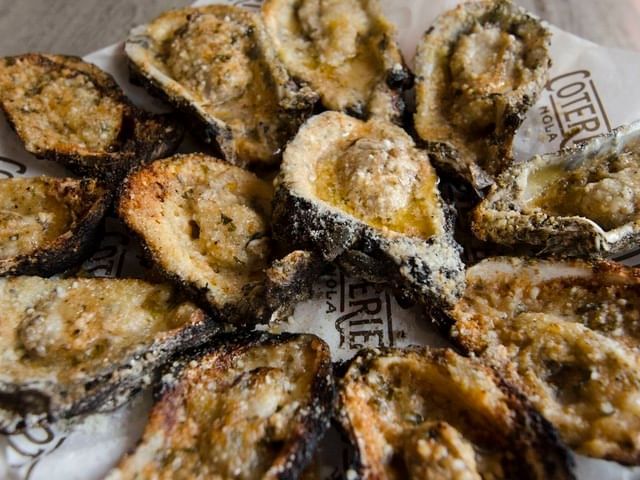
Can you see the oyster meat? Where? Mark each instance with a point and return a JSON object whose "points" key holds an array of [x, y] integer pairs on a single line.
{"points": [[250, 408], [70, 111], [206, 224], [361, 194], [47, 224], [345, 49], [431, 413], [216, 64], [566, 333], [580, 201], [479, 68], [73, 346]]}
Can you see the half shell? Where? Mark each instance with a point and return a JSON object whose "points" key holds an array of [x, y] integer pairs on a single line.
{"points": [[70, 111], [344, 49], [217, 65], [206, 225], [362, 194], [431, 413], [566, 333], [479, 68], [75, 346], [48, 224], [584, 200]]}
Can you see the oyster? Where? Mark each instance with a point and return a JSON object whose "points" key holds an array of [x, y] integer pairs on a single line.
{"points": [[345, 49], [216, 64], [566, 333], [361, 194], [252, 408], [205, 223], [431, 413], [584, 200], [73, 346], [70, 111], [479, 68], [47, 224]]}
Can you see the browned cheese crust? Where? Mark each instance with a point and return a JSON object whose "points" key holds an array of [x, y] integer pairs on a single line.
{"points": [[431, 413], [47, 224], [566, 333], [206, 224], [73, 346], [70, 111], [216, 64], [479, 68], [345, 49], [252, 408]]}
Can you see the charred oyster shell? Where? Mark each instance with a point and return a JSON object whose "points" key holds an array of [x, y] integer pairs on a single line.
{"points": [[216, 64], [47, 224], [73, 346], [431, 413], [206, 224], [479, 68], [583, 200], [362, 194], [345, 49], [250, 408], [70, 111], [566, 333]]}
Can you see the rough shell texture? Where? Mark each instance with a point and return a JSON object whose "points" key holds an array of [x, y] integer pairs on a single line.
{"points": [[361, 194], [216, 65], [566, 333], [431, 413], [252, 408], [206, 225], [580, 201], [74, 346], [47, 224], [70, 111], [345, 50], [479, 68]]}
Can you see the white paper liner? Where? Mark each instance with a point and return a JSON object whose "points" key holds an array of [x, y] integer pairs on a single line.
{"points": [[589, 85]]}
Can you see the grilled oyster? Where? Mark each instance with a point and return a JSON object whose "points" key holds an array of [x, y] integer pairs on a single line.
{"points": [[431, 413], [361, 193], [76, 345], [205, 223], [216, 64], [250, 409], [567, 334], [479, 68], [584, 200], [70, 111], [47, 224], [345, 49]]}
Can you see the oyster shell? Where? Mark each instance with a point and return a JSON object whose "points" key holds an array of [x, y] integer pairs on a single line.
{"points": [[216, 64], [205, 223], [479, 68], [74, 346], [431, 413], [566, 333], [345, 49], [362, 194], [249, 408], [47, 224], [70, 111], [584, 200]]}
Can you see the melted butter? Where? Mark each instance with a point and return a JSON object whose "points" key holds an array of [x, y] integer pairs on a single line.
{"points": [[57, 108], [385, 183], [605, 189], [32, 214]]}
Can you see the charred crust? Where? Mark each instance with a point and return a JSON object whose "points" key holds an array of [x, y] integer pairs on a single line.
{"points": [[72, 247], [143, 136]]}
